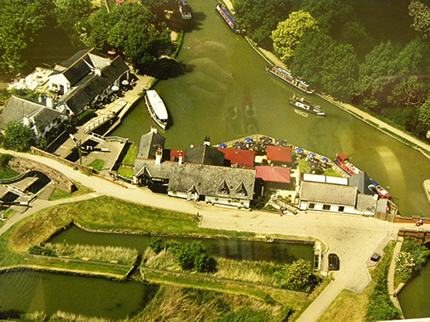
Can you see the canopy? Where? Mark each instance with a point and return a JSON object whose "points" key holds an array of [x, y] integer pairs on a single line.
{"points": [[222, 145], [324, 159], [299, 150], [249, 140], [312, 155]]}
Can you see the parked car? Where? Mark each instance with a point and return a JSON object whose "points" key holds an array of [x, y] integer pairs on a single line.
{"points": [[333, 262]]}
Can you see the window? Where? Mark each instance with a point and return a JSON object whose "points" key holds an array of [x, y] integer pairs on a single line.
{"points": [[311, 206], [241, 190], [341, 208], [326, 207], [223, 188]]}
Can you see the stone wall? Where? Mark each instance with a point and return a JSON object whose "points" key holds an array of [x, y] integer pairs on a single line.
{"points": [[23, 165]]}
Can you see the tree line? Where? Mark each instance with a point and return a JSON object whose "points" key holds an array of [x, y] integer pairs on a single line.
{"points": [[135, 29], [374, 55]]}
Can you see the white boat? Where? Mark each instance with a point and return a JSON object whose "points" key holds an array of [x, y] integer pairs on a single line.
{"points": [[306, 105], [156, 108]]}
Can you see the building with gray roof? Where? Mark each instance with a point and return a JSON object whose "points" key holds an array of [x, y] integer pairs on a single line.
{"points": [[38, 117], [87, 78]]}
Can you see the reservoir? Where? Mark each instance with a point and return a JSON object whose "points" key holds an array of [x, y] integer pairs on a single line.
{"points": [[226, 93]]}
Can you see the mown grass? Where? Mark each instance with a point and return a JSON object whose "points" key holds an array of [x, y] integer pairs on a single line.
{"points": [[97, 164], [62, 194], [131, 155], [350, 306]]}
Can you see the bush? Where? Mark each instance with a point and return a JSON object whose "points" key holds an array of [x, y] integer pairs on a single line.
{"points": [[381, 308], [38, 250], [156, 244], [193, 257]]}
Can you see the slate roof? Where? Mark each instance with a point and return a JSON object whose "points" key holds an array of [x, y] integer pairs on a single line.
{"points": [[279, 153], [273, 174], [149, 144], [207, 180], [15, 110], [238, 156], [366, 203], [204, 154], [92, 85], [44, 117], [362, 181], [328, 193]]}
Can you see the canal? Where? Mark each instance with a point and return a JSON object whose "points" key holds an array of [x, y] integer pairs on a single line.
{"points": [[226, 93], [239, 249]]}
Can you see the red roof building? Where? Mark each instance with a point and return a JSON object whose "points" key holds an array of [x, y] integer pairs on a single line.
{"points": [[273, 174], [279, 154], [237, 156]]}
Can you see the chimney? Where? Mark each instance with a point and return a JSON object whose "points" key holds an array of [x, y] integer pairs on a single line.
{"points": [[158, 155], [49, 102], [181, 161], [207, 141], [154, 129]]}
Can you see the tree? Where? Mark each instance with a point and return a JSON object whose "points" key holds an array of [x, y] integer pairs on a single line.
{"points": [[156, 244], [339, 71], [413, 59], [20, 23], [330, 14], [424, 116], [421, 14], [289, 32], [260, 17], [310, 55], [18, 137], [297, 275], [409, 92], [133, 29], [375, 73], [194, 257], [72, 16]]}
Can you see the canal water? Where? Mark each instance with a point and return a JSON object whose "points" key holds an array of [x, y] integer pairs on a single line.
{"points": [[414, 297], [239, 249], [226, 93], [29, 291]]}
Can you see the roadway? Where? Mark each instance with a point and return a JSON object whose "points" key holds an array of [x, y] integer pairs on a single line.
{"points": [[353, 238]]}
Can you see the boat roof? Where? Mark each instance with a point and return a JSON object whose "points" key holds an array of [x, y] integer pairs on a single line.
{"points": [[157, 104]]}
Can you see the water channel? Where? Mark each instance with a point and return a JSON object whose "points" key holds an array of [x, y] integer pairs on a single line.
{"points": [[29, 291], [226, 93]]}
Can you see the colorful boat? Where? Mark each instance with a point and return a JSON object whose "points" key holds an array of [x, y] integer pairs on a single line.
{"points": [[306, 105], [226, 15], [343, 162], [286, 76], [184, 9], [156, 108]]}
